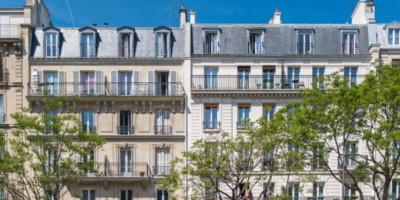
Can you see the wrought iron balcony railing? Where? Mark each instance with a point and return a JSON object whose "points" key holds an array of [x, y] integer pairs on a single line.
{"points": [[161, 170], [163, 130], [105, 89], [125, 130], [260, 82], [4, 76], [211, 125], [10, 31], [88, 128], [128, 169]]}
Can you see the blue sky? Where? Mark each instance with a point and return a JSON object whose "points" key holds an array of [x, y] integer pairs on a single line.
{"points": [[152, 13]]}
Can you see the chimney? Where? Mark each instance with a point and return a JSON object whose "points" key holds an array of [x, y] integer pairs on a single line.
{"points": [[277, 17], [364, 13], [192, 17], [106, 25], [94, 25], [182, 14]]}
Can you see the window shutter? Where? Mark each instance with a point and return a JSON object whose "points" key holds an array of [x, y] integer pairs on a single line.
{"points": [[136, 82], [173, 83], [99, 82], [76, 83], [39, 81], [114, 83], [151, 82], [62, 82], [58, 45]]}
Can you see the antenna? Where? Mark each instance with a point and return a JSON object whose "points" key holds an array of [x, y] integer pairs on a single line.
{"points": [[169, 8]]}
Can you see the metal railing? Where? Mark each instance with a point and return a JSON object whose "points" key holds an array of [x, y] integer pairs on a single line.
{"points": [[117, 169], [260, 82], [125, 130], [163, 130], [242, 125], [88, 128], [161, 170], [10, 31], [2, 118], [4, 75], [211, 125], [352, 161], [105, 89]]}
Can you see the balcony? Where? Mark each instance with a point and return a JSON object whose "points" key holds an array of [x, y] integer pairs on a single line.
{"points": [[111, 170], [256, 83], [161, 170], [106, 89], [163, 130], [10, 31], [211, 125], [125, 130]]}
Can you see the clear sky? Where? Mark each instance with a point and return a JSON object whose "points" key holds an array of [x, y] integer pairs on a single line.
{"points": [[152, 13]]}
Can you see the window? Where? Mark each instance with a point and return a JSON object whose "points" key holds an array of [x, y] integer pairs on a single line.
{"points": [[243, 77], [268, 160], [126, 194], [162, 195], [49, 194], [255, 43], [49, 119], [350, 190], [293, 148], [88, 121], [395, 189], [395, 149], [163, 122], [317, 159], [394, 35], [88, 83], [351, 74], [293, 191], [211, 116], [318, 191], [268, 77], [245, 191], [88, 194], [162, 83], [210, 194], [243, 116], [51, 83], [349, 43], [162, 44], [318, 72], [125, 123], [3, 71], [125, 162], [51, 157], [210, 78], [2, 114], [269, 114], [246, 163], [125, 45], [351, 155], [125, 83], [211, 43], [89, 159], [162, 165], [293, 77], [88, 45], [271, 190], [304, 42], [51, 45], [2, 194], [396, 62]]}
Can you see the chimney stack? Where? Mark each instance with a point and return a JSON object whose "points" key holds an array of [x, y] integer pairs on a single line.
{"points": [[105, 25], [277, 17], [94, 25], [192, 17], [364, 13], [182, 14]]}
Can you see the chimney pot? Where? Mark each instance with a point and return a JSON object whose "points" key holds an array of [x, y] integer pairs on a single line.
{"points": [[277, 10], [183, 7], [192, 16], [106, 25], [94, 25]]}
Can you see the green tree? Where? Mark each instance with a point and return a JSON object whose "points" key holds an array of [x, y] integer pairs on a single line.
{"points": [[44, 153], [344, 116], [225, 166]]}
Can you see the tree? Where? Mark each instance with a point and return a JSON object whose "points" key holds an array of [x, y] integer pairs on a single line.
{"points": [[331, 116], [45, 153], [226, 166]]}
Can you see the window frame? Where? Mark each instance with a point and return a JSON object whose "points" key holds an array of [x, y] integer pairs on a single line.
{"points": [[212, 124], [48, 31], [256, 31], [84, 31], [394, 35], [310, 32], [163, 30], [209, 31], [126, 31], [356, 41]]}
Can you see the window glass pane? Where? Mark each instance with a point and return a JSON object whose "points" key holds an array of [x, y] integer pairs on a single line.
{"points": [[396, 38], [390, 36]]}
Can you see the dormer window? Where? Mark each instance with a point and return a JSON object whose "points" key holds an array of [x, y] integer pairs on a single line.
{"points": [[394, 35], [88, 42], [211, 41], [126, 41], [304, 42], [349, 43], [256, 41], [51, 36], [163, 42]]}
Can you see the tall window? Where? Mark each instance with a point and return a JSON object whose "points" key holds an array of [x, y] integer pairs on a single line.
{"points": [[395, 189], [394, 35], [51, 82], [125, 162], [125, 123], [51, 45], [211, 43], [269, 114], [51, 156], [126, 45], [210, 78], [162, 195], [318, 72], [126, 195], [211, 116], [50, 116], [255, 43], [268, 77], [268, 160], [88, 45], [350, 190], [88, 121], [318, 191], [163, 122], [162, 161], [351, 74], [243, 77], [162, 44], [304, 42], [293, 77], [293, 191], [243, 116], [88, 194], [89, 159], [2, 194], [2, 114], [125, 83], [317, 158], [350, 155], [349, 43], [88, 83]]}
